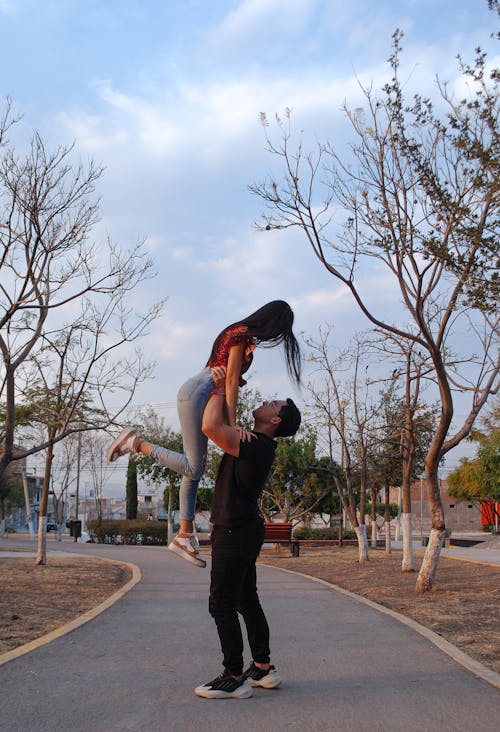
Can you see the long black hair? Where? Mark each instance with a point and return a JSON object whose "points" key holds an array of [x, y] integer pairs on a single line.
{"points": [[269, 326]]}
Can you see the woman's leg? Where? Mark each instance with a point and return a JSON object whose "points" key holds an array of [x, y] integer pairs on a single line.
{"points": [[191, 401]]}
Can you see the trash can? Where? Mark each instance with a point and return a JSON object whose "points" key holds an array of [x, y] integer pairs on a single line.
{"points": [[75, 529]]}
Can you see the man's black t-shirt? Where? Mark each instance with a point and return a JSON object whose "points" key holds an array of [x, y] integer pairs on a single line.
{"points": [[240, 482]]}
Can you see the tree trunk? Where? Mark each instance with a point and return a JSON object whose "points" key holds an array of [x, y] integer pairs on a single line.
{"points": [[398, 520], [387, 519], [360, 531], [373, 493], [7, 451], [41, 557], [27, 505], [408, 563], [408, 454], [430, 563], [349, 508]]}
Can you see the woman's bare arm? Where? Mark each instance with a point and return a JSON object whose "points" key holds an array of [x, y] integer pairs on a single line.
{"points": [[233, 372]]}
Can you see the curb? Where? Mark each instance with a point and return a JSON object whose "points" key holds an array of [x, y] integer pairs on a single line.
{"points": [[80, 619], [486, 674], [471, 561]]}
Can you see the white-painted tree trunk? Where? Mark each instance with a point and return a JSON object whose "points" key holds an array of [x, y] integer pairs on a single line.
{"points": [[374, 534], [362, 542], [41, 557], [388, 548], [27, 505], [398, 520], [408, 563], [431, 560]]}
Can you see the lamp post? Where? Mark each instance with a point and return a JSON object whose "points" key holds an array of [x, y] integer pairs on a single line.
{"points": [[77, 490]]}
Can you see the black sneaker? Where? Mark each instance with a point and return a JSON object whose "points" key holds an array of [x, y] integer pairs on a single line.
{"points": [[225, 686], [267, 678]]}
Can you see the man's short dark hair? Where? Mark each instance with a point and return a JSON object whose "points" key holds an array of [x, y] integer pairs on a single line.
{"points": [[290, 420]]}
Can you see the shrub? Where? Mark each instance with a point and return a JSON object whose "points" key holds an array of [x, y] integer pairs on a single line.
{"points": [[304, 532], [151, 533]]}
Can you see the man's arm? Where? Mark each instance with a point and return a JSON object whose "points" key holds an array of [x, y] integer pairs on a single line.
{"points": [[216, 429]]}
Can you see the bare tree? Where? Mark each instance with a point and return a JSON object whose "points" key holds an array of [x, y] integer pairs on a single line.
{"points": [[93, 451], [154, 429], [410, 422], [65, 322], [344, 407], [419, 197]]}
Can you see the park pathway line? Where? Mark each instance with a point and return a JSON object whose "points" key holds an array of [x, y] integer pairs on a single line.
{"points": [[345, 666]]}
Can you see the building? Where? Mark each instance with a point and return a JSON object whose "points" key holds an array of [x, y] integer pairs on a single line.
{"points": [[460, 516]]}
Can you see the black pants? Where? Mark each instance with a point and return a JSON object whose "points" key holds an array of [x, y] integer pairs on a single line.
{"points": [[233, 590]]}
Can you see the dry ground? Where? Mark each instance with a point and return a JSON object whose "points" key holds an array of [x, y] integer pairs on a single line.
{"points": [[35, 600], [463, 607]]}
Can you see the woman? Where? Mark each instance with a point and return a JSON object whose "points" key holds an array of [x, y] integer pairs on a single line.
{"points": [[269, 326]]}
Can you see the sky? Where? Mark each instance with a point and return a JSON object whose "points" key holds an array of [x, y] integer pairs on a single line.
{"points": [[167, 97]]}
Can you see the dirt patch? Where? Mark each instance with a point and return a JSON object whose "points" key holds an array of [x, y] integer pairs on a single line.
{"points": [[462, 607], [35, 600]]}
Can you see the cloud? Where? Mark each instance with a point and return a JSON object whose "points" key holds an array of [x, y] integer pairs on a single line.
{"points": [[172, 338], [214, 126], [263, 17], [94, 134], [321, 299]]}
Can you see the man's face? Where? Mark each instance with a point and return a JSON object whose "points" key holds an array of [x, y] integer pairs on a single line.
{"points": [[269, 410]]}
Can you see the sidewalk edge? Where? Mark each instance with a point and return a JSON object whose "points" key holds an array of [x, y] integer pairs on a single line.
{"points": [[486, 674], [80, 619]]}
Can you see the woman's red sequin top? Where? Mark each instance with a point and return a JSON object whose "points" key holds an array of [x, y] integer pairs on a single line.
{"points": [[231, 337]]}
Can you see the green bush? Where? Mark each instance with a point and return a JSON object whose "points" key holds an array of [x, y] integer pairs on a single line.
{"points": [[150, 533], [304, 532]]}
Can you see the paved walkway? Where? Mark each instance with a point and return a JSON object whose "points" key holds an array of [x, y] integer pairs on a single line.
{"points": [[479, 554], [345, 666]]}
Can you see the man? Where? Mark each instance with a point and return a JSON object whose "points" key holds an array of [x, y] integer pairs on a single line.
{"points": [[237, 536]]}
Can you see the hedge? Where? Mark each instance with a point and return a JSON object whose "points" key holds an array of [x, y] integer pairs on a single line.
{"points": [[304, 532], [129, 532]]}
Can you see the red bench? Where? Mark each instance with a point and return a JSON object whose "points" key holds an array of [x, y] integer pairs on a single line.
{"points": [[281, 533]]}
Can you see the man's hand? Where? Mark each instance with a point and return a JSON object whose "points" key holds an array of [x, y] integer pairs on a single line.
{"points": [[245, 435], [219, 376]]}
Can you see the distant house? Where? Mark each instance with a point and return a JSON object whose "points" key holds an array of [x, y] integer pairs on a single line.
{"points": [[461, 516]]}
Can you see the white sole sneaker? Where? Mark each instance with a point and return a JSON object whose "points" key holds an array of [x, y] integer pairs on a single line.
{"points": [[188, 556], [270, 681], [115, 449], [242, 692]]}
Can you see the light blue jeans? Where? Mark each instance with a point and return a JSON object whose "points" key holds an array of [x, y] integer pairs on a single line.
{"points": [[192, 399]]}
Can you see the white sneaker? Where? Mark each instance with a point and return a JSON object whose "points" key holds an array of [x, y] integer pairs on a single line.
{"points": [[225, 687], [125, 442], [267, 678], [188, 548]]}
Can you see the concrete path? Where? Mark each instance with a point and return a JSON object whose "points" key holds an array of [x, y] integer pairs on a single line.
{"points": [[474, 554], [345, 666]]}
